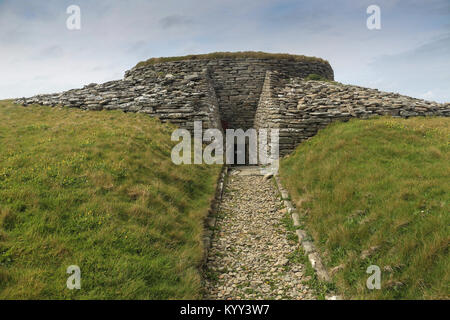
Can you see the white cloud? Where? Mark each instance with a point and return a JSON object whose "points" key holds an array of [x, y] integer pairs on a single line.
{"points": [[38, 54]]}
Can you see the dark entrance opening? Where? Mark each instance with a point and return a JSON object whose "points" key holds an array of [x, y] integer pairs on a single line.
{"points": [[241, 151]]}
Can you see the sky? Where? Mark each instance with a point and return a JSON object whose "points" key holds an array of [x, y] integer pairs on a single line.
{"points": [[410, 54]]}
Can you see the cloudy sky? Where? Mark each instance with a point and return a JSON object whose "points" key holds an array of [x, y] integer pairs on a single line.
{"points": [[409, 55]]}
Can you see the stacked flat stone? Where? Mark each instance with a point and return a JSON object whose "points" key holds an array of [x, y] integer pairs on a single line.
{"points": [[184, 91], [299, 108], [179, 97]]}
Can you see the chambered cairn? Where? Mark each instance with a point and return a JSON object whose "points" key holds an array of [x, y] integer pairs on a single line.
{"points": [[241, 90]]}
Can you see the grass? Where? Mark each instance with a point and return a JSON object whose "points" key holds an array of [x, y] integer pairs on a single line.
{"points": [[378, 187], [320, 288], [233, 55], [316, 77], [97, 190]]}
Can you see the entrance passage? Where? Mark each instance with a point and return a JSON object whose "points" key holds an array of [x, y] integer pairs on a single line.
{"points": [[252, 250]]}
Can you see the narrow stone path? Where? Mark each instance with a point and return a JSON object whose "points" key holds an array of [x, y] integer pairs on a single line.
{"points": [[253, 255]]}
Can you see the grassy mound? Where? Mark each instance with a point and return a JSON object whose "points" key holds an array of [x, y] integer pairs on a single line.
{"points": [[376, 192], [233, 55], [97, 190]]}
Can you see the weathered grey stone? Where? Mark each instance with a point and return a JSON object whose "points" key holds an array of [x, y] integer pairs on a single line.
{"points": [[250, 255], [316, 263], [241, 93], [308, 246]]}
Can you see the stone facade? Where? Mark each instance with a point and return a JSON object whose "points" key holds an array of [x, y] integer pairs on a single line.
{"points": [[180, 98], [299, 108], [241, 93], [184, 91]]}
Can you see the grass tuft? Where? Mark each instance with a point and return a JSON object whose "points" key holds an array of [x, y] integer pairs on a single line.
{"points": [[232, 55], [316, 77]]}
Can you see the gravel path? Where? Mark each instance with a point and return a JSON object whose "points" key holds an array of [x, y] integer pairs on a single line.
{"points": [[252, 255]]}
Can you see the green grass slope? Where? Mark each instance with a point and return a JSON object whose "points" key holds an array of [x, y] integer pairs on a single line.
{"points": [[376, 192], [97, 190]]}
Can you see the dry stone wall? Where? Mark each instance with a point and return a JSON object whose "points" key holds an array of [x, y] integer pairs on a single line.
{"points": [[180, 98], [184, 91], [237, 82], [299, 108], [241, 93]]}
